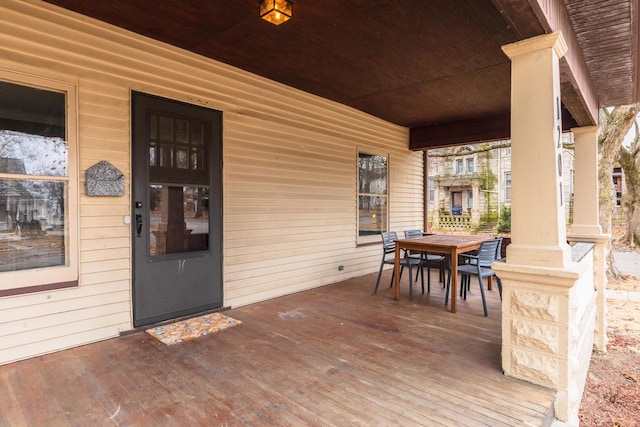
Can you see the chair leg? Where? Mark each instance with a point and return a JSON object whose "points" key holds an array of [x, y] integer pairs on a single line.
{"points": [[448, 286], [410, 283], [484, 301], [465, 285], [428, 277], [445, 270], [379, 275], [499, 286]]}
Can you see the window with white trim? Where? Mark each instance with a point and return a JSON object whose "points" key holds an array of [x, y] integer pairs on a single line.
{"points": [[38, 182], [372, 196], [432, 190], [470, 165], [507, 185], [459, 166]]}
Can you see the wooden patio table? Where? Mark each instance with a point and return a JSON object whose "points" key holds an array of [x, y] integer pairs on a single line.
{"points": [[446, 244]]}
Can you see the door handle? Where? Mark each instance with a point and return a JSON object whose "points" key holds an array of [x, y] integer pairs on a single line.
{"points": [[138, 224]]}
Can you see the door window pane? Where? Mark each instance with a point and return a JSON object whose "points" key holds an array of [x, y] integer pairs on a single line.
{"points": [[182, 158], [178, 219], [179, 147]]}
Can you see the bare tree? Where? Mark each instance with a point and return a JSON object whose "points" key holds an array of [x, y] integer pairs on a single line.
{"points": [[615, 125], [630, 163]]}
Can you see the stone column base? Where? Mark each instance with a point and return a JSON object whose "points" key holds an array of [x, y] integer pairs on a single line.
{"points": [[548, 317]]}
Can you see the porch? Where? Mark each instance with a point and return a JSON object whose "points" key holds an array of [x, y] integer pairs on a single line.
{"points": [[335, 355]]}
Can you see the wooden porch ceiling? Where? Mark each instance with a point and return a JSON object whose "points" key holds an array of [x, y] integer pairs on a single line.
{"points": [[433, 66]]}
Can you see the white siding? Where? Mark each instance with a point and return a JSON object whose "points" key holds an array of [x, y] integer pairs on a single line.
{"points": [[289, 175]]}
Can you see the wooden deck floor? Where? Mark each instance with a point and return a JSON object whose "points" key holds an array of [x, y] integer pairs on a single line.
{"points": [[333, 356]]}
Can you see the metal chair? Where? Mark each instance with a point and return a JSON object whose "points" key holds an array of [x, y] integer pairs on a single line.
{"points": [[480, 265], [427, 258], [389, 248]]}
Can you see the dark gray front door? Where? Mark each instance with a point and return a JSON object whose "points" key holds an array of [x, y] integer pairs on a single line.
{"points": [[176, 209]]}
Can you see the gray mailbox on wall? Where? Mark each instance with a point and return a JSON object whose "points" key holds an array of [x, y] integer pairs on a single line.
{"points": [[104, 179]]}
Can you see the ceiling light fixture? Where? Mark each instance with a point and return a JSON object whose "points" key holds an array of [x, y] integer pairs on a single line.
{"points": [[276, 11]]}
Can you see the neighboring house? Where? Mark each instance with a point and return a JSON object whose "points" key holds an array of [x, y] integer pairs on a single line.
{"points": [[469, 185], [620, 187]]}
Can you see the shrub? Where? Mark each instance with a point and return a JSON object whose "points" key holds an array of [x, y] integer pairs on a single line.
{"points": [[504, 223]]}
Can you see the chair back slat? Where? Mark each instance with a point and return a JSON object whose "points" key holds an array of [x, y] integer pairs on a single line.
{"points": [[499, 249], [389, 241], [412, 234], [488, 252]]}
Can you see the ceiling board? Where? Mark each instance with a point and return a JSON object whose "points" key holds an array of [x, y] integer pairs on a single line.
{"points": [[415, 63]]}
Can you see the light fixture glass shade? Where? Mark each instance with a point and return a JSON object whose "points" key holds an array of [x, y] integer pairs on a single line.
{"points": [[276, 11]]}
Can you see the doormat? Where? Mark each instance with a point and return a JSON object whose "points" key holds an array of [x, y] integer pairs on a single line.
{"points": [[189, 329]]}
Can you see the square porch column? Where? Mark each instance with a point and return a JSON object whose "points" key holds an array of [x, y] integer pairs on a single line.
{"points": [[586, 222], [538, 228], [548, 307]]}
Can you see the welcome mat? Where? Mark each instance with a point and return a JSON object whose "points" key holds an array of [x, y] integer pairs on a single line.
{"points": [[189, 329]]}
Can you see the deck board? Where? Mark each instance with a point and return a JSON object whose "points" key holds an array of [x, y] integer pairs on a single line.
{"points": [[333, 356]]}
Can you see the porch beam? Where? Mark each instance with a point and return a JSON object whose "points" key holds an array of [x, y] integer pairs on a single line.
{"points": [[461, 132], [532, 18], [573, 68], [472, 131]]}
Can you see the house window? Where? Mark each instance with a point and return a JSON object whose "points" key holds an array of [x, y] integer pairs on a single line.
{"points": [[432, 190], [617, 182], [38, 189], [459, 166], [372, 197], [507, 185], [470, 166], [470, 199]]}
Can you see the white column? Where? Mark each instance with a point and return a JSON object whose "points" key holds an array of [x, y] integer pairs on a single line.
{"points": [[586, 221], [548, 306], [538, 230], [585, 187], [436, 204], [475, 212]]}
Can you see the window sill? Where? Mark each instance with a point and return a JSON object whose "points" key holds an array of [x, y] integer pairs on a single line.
{"points": [[39, 288]]}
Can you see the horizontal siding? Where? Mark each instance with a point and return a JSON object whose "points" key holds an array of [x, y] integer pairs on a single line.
{"points": [[289, 175]]}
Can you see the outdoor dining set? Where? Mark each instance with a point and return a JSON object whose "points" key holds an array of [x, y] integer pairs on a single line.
{"points": [[453, 255]]}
